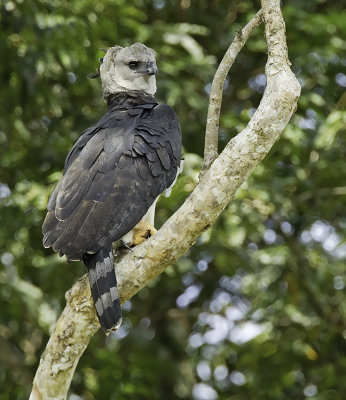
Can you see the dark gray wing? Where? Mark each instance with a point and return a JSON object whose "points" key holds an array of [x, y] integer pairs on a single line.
{"points": [[112, 175]]}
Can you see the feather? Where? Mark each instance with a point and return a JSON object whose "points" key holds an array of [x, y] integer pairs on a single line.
{"points": [[103, 285], [152, 156], [101, 186], [52, 199], [112, 143], [140, 146], [91, 151], [142, 169], [164, 157], [107, 162], [124, 161], [155, 167]]}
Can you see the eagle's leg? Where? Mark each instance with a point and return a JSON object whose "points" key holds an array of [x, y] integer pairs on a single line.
{"points": [[143, 230], [145, 227]]}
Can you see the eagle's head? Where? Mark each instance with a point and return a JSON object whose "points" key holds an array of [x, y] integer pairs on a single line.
{"points": [[128, 68]]}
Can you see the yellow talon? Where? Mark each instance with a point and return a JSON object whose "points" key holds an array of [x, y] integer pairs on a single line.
{"points": [[142, 231]]}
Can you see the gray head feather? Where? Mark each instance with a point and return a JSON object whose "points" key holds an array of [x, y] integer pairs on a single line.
{"points": [[129, 68]]}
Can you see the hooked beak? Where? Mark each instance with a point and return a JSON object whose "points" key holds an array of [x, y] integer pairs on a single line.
{"points": [[148, 68], [94, 75]]}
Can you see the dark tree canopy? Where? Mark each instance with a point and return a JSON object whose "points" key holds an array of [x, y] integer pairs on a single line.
{"points": [[256, 309]]}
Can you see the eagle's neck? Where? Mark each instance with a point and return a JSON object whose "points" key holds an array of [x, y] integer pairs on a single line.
{"points": [[129, 99]]}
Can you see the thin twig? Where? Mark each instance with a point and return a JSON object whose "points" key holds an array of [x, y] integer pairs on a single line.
{"points": [[215, 99]]}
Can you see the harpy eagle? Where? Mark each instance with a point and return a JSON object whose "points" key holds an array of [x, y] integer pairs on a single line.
{"points": [[114, 175]]}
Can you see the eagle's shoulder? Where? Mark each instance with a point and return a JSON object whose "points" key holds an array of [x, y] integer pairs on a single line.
{"points": [[114, 121], [163, 121], [165, 113]]}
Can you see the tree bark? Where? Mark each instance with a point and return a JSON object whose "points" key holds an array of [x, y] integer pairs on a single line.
{"points": [[216, 188], [215, 98]]}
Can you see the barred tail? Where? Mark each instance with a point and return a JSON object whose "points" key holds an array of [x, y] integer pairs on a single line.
{"points": [[104, 290]]}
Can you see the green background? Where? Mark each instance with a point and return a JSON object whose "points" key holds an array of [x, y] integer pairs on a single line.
{"points": [[256, 309]]}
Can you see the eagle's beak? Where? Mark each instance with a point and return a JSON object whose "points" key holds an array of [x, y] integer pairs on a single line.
{"points": [[151, 68], [94, 75], [148, 68]]}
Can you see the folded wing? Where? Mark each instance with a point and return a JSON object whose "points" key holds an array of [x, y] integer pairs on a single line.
{"points": [[112, 175]]}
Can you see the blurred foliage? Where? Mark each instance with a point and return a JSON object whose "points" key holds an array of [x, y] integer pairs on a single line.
{"points": [[257, 308]]}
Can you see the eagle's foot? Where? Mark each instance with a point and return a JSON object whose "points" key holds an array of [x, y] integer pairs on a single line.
{"points": [[141, 232]]}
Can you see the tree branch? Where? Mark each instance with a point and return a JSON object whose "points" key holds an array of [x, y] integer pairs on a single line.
{"points": [[215, 98], [217, 187]]}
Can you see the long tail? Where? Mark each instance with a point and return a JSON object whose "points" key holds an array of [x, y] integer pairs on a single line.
{"points": [[104, 290]]}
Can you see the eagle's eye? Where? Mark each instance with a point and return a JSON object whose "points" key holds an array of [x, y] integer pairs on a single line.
{"points": [[134, 64]]}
